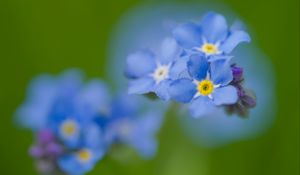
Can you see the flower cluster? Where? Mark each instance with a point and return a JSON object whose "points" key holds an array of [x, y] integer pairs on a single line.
{"points": [[75, 123], [194, 67]]}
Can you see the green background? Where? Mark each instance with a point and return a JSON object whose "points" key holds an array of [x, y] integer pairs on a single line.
{"points": [[52, 35]]}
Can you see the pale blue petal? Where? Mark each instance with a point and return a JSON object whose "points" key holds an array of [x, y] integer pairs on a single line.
{"points": [[201, 106], [178, 68], [233, 40], [71, 165], [182, 90], [221, 73], [188, 35], [198, 66], [69, 83], [33, 114], [125, 104], [169, 51], [220, 57], [141, 86], [140, 64], [143, 138], [214, 27], [225, 95], [146, 147], [93, 99], [162, 89], [93, 137]]}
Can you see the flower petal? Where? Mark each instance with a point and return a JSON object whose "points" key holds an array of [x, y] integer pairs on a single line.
{"points": [[169, 51], [221, 73], [201, 106], [214, 27], [178, 68], [162, 89], [198, 66], [93, 98], [225, 95], [143, 138], [182, 90], [188, 35], [141, 85], [233, 40], [140, 63]]}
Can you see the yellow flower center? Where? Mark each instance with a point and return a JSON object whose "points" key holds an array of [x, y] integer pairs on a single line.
{"points": [[69, 128], [84, 155], [205, 87], [209, 48]]}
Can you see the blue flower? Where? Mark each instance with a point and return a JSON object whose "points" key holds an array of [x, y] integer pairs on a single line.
{"points": [[153, 73], [47, 98], [211, 36], [208, 86], [133, 126], [91, 149], [67, 108]]}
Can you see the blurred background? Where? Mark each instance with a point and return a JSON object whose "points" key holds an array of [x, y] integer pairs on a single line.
{"points": [[50, 36]]}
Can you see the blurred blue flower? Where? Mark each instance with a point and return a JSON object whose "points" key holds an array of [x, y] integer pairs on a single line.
{"points": [[134, 126], [153, 73], [62, 112], [211, 36], [91, 149], [208, 86]]}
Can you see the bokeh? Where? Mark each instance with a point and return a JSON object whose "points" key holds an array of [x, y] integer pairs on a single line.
{"points": [[51, 36]]}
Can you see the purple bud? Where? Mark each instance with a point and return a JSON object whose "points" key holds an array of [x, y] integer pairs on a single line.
{"points": [[45, 136], [54, 149], [36, 151], [237, 73]]}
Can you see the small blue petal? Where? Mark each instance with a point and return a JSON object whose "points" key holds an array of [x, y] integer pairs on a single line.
{"points": [[178, 68], [146, 147], [162, 89], [201, 107], [93, 98], [182, 90], [188, 35], [143, 138], [141, 86], [169, 51], [233, 40], [93, 137], [214, 27], [225, 95], [221, 73], [41, 95], [70, 164], [125, 104], [69, 83], [219, 57], [198, 66], [140, 64]]}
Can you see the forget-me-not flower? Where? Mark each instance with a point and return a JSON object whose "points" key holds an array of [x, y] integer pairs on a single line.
{"points": [[134, 127], [208, 86], [153, 73], [211, 36], [90, 150], [66, 108]]}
